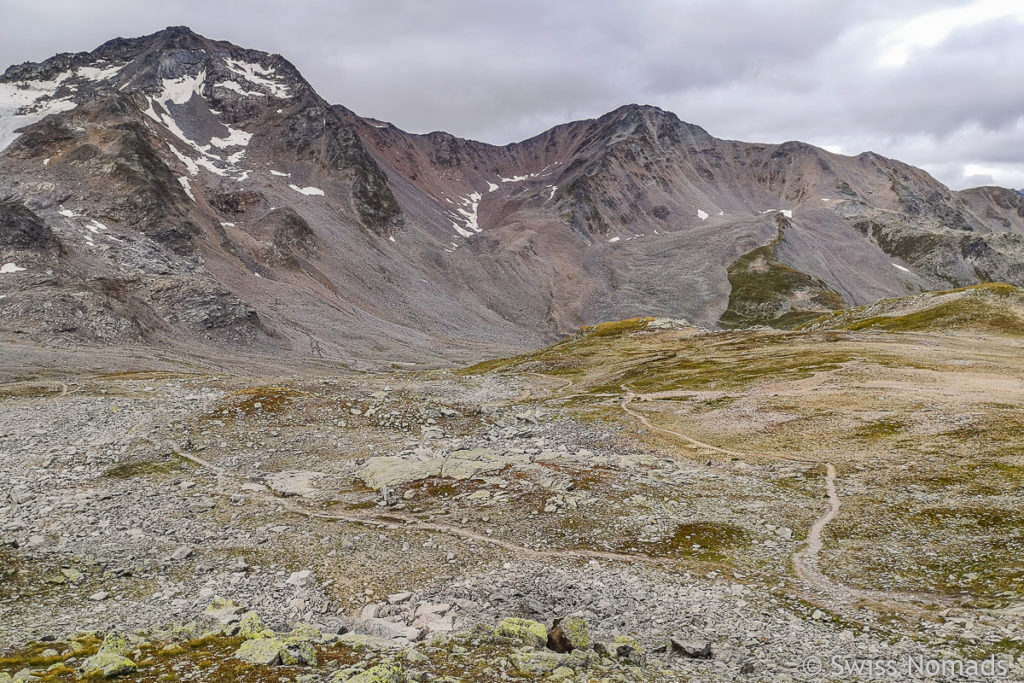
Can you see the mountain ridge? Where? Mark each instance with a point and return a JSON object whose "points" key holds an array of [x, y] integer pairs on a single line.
{"points": [[201, 193]]}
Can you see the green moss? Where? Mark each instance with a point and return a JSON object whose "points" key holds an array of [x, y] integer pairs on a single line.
{"points": [[763, 288], [148, 468], [696, 540], [268, 399], [994, 308]]}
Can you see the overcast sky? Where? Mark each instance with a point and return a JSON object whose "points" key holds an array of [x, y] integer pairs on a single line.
{"points": [[936, 83]]}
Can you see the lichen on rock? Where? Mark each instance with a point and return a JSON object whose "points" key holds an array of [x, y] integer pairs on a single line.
{"points": [[527, 631]]}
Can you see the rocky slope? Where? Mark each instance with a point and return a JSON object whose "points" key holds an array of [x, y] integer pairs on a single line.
{"points": [[658, 481], [176, 191]]}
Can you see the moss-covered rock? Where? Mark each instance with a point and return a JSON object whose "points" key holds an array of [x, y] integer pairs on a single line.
{"points": [[290, 651], [541, 663], [116, 643], [360, 642], [295, 652], [625, 648], [526, 631], [223, 611], [106, 665], [388, 672], [307, 633], [569, 634], [266, 651], [252, 626]]}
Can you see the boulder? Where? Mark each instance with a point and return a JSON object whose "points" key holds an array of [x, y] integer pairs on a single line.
{"points": [[296, 651], [116, 643], [526, 631], [388, 672], [250, 625], [393, 471], [361, 641], [224, 611], [691, 649], [266, 651], [106, 665], [625, 648]]}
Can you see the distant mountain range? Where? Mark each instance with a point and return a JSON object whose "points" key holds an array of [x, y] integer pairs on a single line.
{"points": [[181, 192]]}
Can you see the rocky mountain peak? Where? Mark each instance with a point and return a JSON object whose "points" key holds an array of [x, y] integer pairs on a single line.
{"points": [[649, 122]]}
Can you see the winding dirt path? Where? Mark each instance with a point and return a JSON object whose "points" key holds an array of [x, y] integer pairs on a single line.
{"points": [[398, 521], [630, 396], [805, 561]]}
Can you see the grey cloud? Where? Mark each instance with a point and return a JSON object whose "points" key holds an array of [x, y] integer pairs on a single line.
{"points": [[498, 72]]}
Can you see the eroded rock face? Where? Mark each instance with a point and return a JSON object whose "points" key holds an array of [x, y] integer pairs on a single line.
{"points": [[21, 229]]}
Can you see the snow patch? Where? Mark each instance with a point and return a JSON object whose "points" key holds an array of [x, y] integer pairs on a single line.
{"points": [[234, 138], [391, 238], [554, 188], [185, 186], [308, 191], [468, 214], [94, 73], [280, 173], [259, 75], [518, 178], [788, 213], [26, 102], [10, 268], [225, 224], [905, 270], [702, 214], [181, 90], [614, 239], [231, 85], [491, 187]]}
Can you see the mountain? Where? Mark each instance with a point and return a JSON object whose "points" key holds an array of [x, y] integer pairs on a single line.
{"points": [[179, 192]]}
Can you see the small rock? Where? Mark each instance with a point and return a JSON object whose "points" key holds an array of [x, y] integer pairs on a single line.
{"points": [[181, 553], [691, 649], [299, 578], [399, 598]]}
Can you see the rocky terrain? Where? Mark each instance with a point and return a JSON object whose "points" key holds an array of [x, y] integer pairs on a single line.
{"points": [[176, 192], [740, 505], [248, 431]]}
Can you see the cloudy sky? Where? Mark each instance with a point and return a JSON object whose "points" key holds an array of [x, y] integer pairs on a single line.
{"points": [[936, 83]]}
